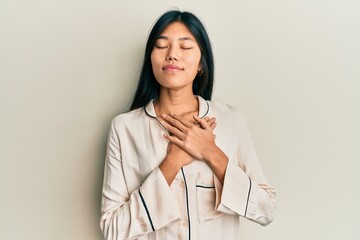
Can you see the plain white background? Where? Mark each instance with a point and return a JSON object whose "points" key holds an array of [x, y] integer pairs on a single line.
{"points": [[68, 67]]}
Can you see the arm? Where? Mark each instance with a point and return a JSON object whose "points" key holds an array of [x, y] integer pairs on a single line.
{"points": [[197, 141], [241, 188], [245, 191], [176, 157], [127, 215]]}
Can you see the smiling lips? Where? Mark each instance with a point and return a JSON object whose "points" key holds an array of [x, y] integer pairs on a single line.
{"points": [[172, 68]]}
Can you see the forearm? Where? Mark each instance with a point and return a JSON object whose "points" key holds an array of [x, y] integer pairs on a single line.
{"points": [[217, 161], [169, 169], [148, 208], [246, 194]]}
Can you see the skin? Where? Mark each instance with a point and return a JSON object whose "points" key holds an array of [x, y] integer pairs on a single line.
{"points": [[175, 60]]}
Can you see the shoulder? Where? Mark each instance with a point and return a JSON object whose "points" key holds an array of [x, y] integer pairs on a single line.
{"points": [[223, 108], [227, 113], [128, 118]]}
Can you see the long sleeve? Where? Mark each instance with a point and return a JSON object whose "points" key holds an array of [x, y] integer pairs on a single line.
{"points": [[245, 190], [128, 215]]}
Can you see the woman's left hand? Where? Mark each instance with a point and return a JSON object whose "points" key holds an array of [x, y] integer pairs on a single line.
{"points": [[198, 141]]}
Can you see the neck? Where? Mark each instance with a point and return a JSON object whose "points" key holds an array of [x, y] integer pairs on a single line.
{"points": [[176, 102]]}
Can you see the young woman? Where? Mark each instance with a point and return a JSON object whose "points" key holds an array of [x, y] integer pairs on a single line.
{"points": [[179, 166]]}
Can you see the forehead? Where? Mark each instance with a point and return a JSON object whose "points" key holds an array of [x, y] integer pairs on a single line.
{"points": [[176, 30]]}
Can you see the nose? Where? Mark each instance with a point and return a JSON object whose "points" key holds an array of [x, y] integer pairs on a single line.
{"points": [[172, 54], [170, 58]]}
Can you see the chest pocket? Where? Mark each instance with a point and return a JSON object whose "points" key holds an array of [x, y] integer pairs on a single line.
{"points": [[206, 198]]}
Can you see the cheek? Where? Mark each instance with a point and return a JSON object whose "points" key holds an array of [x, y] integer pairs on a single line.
{"points": [[156, 66], [153, 59], [194, 60], [196, 57], [154, 63]]}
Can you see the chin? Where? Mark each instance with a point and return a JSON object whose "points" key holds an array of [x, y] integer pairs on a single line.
{"points": [[174, 83], [176, 87]]}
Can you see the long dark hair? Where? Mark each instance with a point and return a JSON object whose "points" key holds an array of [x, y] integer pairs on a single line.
{"points": [[148, 88]]}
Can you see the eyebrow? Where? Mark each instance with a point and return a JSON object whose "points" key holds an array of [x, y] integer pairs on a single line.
{"points": [[180, 39]]}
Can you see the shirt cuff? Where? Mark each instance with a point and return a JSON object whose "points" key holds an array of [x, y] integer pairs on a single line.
{"points": [[234, 195], [158, 200]]}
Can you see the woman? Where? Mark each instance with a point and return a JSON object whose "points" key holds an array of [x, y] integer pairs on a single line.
{"points": [[179, 166]]}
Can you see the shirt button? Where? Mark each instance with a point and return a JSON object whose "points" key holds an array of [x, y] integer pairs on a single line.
{"points": [[182, 185]]}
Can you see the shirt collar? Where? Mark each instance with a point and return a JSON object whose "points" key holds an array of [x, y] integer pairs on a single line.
{"points": [[203, 108]]}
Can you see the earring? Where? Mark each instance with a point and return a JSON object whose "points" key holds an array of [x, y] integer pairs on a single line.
{"points": [[200, 72]]}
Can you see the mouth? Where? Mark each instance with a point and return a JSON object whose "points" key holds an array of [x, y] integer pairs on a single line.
{"points": [[172, 68]]}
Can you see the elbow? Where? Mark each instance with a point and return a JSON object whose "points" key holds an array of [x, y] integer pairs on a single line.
{"points": [[266, 217], [265, 211], [268, 207], [105, 226], [264, 221]]}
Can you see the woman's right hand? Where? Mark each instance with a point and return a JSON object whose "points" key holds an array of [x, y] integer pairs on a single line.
{"points": [[176, 157], [179, 155]]}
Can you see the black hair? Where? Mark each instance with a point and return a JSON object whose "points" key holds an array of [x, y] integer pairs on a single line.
{"points": [[148, 88]]}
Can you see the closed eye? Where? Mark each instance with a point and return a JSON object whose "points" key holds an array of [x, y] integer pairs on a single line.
{"points": [[160, 47]]}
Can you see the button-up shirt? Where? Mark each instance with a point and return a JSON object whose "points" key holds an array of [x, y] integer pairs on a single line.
{"points": [[138, 203]]}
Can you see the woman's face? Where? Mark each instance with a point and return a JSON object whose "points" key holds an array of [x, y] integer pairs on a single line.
{"points": [[176, 57]]}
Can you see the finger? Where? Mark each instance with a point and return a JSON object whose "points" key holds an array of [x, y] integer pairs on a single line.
{"points": [[204, 124], [174, 140], [212, 122], [174, 122], [208, 120], [213, 119], [182, 120], [172, 129]]}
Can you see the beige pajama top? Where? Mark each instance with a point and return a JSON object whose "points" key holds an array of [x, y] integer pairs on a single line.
{"points": [[137, 202]]}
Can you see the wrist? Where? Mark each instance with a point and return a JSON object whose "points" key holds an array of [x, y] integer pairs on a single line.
{"points": [[209, 155], [214, 156], [171, 163], [218, 162], [169, 170]]}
